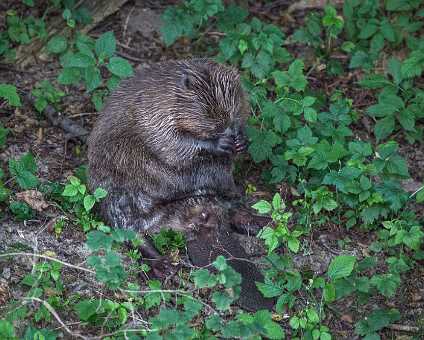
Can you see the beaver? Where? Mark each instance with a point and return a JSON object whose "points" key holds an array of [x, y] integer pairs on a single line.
{"points": [[168, 133], [164, 145]]}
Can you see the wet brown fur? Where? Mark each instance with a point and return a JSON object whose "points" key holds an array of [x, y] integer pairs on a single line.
{"points": [[153, 143]]}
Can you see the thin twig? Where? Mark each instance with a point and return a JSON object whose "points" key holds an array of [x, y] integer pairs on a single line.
{"points": [[51, 259], [404, 328], [82, 114], [56, 316]]}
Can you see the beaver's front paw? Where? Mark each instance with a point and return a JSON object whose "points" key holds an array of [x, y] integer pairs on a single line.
{"points": [[225, 145]]}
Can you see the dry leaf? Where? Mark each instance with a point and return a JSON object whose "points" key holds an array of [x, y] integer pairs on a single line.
{"points": [[33, 198]]}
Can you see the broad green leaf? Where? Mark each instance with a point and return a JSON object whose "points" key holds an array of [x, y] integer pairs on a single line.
{"points": [[57, 44], [384, 127], [204, 279], [78, 60], [89, 202], [341, 266], [9, 93], [105, 46], [120, 67], [69, 76], [100, 193], [269, 289], [263, 207]]}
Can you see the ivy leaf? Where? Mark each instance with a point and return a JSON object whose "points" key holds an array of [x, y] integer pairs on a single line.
{"points": [[120, 67], [341, 266]]}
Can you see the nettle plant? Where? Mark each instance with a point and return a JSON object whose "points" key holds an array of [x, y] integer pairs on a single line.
{"points": [[83, 60]]}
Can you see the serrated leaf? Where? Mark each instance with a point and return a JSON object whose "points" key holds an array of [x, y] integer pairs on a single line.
{"points": [[69, 76], [384, 127], [92, 78], [105, 45], [89, 202], [78, 60], [263, 207], [269, 289], [100, 193], [8, 92], [222, 300], [204, 279], [341, 266], [120, 67], [57, 44]]}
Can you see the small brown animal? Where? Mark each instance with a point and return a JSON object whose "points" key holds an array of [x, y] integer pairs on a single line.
{"points": [[168, 133], [163, 148]]}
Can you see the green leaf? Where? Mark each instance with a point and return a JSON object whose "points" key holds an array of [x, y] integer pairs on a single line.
{"points": [[263, 207], [3, 136], [92, 78], [222, 300], [277, 202], [100, 193], [377, 320], [368, 30], [384, 127], [386, 284], [7, 330], [78, 60], [204, 279], [97, 240], [329, 292], [70, 190], [87, 308], [21, 210], [69, 76], [120, 67], [341, 266], [269, 289], [263, 142], [220, 263], [406, 118], [89, 201], [374, 81], [293, 244], [57, 44], [105, 46], [420, 195], [387, 30], [8, 92], [271, 239], [24, 171]]}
